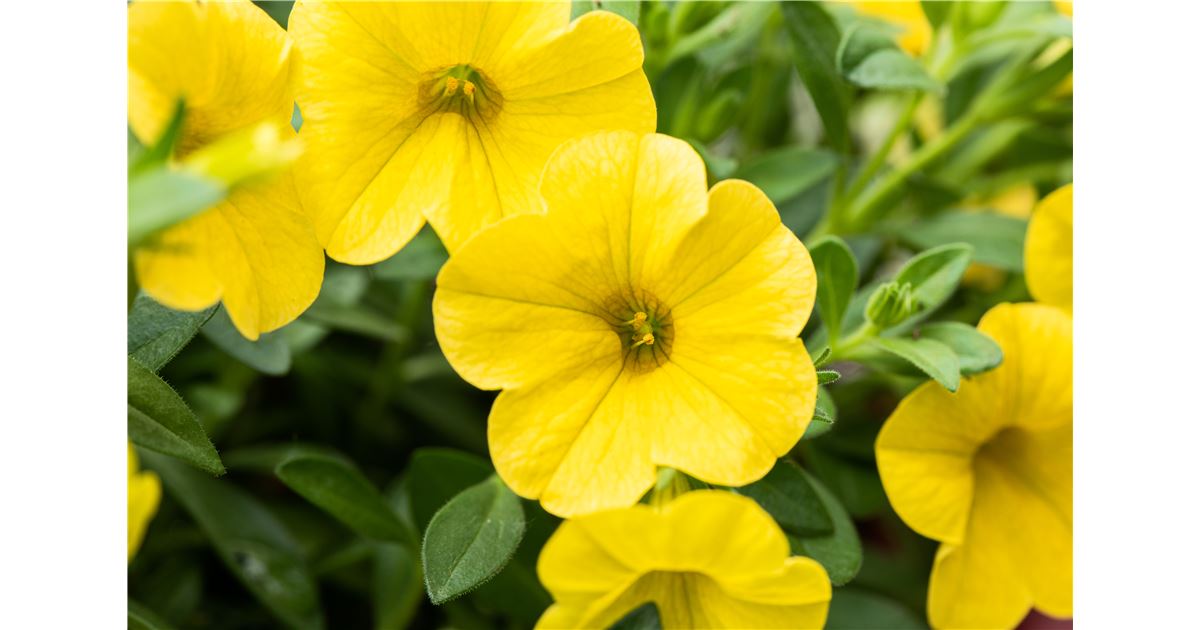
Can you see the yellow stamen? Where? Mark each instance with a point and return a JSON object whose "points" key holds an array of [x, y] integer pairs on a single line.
{"points": [[639, 318], [469, 90], [647, 339], [451, 86]]}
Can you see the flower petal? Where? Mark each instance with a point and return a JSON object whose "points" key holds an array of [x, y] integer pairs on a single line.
{"points": [[1033, 386], [229, 60], [1049, 251]]}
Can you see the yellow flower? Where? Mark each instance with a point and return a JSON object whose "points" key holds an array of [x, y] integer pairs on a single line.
{"points": [[987, 471], [640, 321], [1049, 250], [915, 33], [447, 112], [145, 491], [256, 251], [1065, 7], [708, 559]]}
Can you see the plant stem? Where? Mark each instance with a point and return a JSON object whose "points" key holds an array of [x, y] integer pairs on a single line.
{"points": [[880, 158]]}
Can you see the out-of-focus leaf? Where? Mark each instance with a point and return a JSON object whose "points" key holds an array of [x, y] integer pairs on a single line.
{"points": [[936, 11], [421, 259], [470, 539], [869, 58], [142, 618], [815, 40], [356, 319], [162, 197], [840, 551], [159, 420], [718, 167], [436, 475], [644, 617], [837, 276], [854, 609], [998, 240], [628, 9], [396, 586], [155, 333], [934, 273], [976, 351], [785, 173], [250, 540], [932, 357], [342, 491], [790, 499], [269, 355]]}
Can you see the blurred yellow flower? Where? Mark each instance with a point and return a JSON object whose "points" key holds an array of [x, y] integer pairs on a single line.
{"points": [[708, 559], [987, 471], [256, 251], [640, 321], [915, 33], [447, 112], [1065, 7], [145, 491], [1049, 250]]}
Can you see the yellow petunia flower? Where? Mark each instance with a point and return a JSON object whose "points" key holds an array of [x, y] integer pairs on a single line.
{"points": [[145, 491], [256, 251], [915, 31], [447, 112], [1049, 250], [987, 471], [641, 321], [708, 559]]}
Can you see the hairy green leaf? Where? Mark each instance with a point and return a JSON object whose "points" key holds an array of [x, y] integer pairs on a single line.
{"points": [[790, 499], [976, 351], [160, 421], [344, 493], [435, 475], [932, 357], [997, 240], [837, 276], [269, 355], [155, 333], [815, 40], [839, 551]]}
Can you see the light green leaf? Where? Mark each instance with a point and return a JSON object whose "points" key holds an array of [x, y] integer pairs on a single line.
{"points": [[470, 539], [827, 377], [249, 539], [344, 493], [815, 40], [628, 9], [869, 58], [932, 357], [837, 276], [155, 333], [998, 240], [788, 497], [162, 197], [159, 420], [976, 351], [785, 173], [934, 273], [840, 551], [644, 617], [269, 355]]}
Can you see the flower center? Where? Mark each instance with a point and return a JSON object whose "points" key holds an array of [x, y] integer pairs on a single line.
{"points": [[646, 332], [460, 89]]}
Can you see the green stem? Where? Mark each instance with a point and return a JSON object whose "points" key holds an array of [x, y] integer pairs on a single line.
{"points": [[880, 158], [844, 348]]}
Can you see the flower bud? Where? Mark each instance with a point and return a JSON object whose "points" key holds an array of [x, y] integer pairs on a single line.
{"points": [[891, 304]]}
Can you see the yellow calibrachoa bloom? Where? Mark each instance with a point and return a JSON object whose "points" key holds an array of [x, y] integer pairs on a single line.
{"points": [[145, 491], [256, 251], [640, 321], [987, 471], [708, 559], [915, 34], [446, 112], [1049, 250]]}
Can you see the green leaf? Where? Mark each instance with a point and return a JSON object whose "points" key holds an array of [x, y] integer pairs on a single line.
{"points": [[815, 38], [155, 333], [357, 319], [249, 539], [976, 351], [824, 415], [160, 151], [936, 11], [162, 197], [932, 357], [827, 377], [470, 539], [396, 586], [342, 491], [628, 9], [854, 609], [644, 617], [840, 551], [269, 355], [159, 420], [435, 475], [934, 274], [837, 276], [790, 499], [421, 259], [869, 58], [822, 357], [998, 240], [785, 173], [142, 618]]}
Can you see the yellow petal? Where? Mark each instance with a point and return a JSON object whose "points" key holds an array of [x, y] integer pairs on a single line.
{"points": [[1033, 386], [229, 60], [381, 168], [1049, 250], [255, 250], [144, 493]]}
